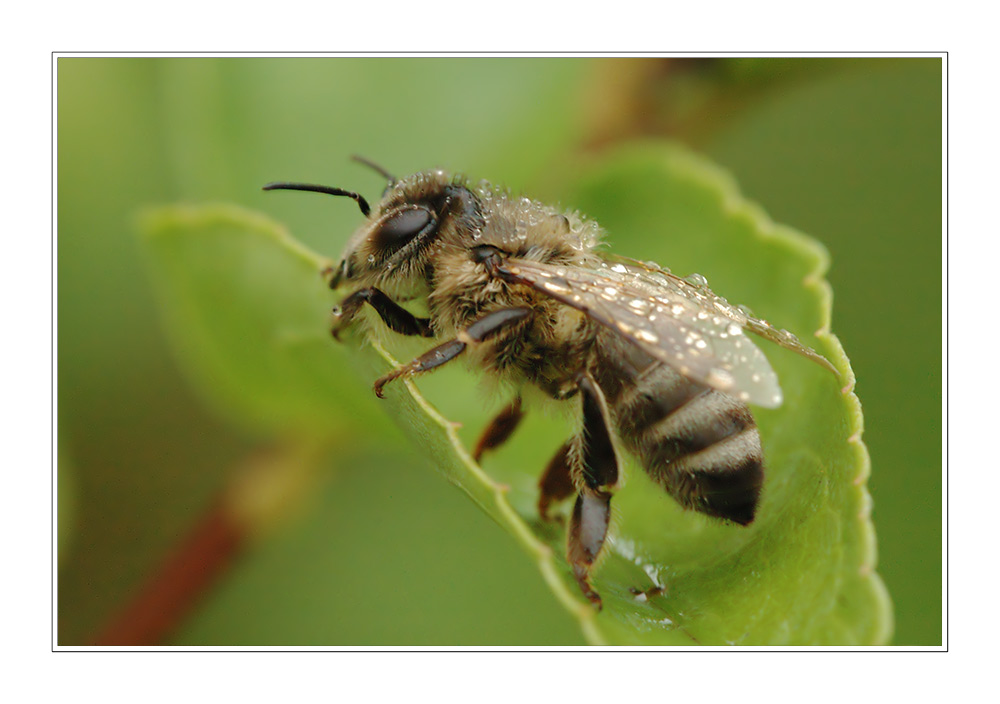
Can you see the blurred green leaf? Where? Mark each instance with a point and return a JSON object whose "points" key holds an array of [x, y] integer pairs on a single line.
{"points": [[67, 492], [246, 311]]}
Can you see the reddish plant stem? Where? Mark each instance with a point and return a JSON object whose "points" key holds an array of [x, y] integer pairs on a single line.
{"points": [[174, 589]]}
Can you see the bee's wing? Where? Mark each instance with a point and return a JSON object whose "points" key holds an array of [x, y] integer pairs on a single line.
{"points": [[683, 324], [738, 314]]}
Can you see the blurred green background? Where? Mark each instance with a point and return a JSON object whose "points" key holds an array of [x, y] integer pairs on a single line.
{"points": [[847, 150]]}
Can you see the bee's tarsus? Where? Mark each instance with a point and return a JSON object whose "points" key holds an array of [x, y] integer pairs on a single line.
{"points": [[335, 274], [382, 381], [587, 529]]}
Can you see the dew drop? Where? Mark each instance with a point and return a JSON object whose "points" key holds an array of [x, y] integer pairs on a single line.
{"points": [[720, 379], [555, 287]]}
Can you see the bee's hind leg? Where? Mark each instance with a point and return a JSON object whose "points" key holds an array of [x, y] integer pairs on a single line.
{"points": [[500, 428], [556, 483], [596, 468]]}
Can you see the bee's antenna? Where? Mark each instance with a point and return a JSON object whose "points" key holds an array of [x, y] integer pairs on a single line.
{"points": [[285, 186], [372, 165]]}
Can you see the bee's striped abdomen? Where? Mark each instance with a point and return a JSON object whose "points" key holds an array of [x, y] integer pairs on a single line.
{"points": [[699, 444]]}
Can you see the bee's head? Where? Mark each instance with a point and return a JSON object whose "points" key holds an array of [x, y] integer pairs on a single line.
{"points": [[393, 248]]}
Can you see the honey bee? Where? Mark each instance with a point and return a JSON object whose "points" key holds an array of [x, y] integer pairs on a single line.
{"points": [[659, 365]]}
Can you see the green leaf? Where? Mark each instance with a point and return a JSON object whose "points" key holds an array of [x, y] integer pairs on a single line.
{"points": [[247, 311]]}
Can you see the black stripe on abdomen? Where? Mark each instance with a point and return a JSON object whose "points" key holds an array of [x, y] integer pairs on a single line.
{"points": [[701, 445]]}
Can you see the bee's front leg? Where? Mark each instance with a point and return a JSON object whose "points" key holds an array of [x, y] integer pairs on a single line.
{"points": [[485, 327], [397, 318]]}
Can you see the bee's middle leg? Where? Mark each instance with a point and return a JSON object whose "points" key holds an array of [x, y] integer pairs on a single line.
{"points": [[556, 483], [500, 428], [482, 329]]}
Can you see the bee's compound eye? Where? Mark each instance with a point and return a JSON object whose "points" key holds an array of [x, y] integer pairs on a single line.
{"points": [[402, 227]]}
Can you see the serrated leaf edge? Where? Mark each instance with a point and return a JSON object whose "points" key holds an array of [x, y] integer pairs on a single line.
{"points": [[736, 204], [544, 556]]}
